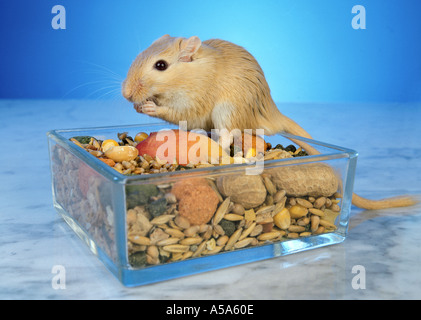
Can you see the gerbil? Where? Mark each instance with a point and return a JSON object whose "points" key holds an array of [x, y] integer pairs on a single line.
{"points": [[213, 84]]}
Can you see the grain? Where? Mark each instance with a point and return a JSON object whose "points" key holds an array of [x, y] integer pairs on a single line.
{"points": [[268, 235], [305, 203], [140, 240], [182, 222], [327, 224], [168, 241], [175, 233], [221, 211], [296, 228], [191, 241], [176, 248], [243, 243], [317, 212], [162, 219], [233, 217], [315, 220], [247, 231], [233, 239]]}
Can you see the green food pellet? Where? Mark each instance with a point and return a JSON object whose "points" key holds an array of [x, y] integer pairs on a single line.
{"points": [[140, 195], [137, 259], [157, 207], [83, 139], [228, 226], [291, 148]]}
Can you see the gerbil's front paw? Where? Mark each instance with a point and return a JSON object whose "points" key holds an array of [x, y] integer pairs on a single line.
{"points": [[149, 108]]}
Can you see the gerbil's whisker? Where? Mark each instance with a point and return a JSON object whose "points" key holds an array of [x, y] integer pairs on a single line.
{"points": [[109, 71], [101, 89], [90, 83]]}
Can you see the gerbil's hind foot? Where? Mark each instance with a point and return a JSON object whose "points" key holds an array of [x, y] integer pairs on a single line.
{"points": [[395, 202]]}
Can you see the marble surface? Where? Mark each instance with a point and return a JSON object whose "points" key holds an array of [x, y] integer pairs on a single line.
{"points": [[33, 238]]}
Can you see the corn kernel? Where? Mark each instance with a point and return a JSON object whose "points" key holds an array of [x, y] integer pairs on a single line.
{"points": [[140, 136], [106, 144]]}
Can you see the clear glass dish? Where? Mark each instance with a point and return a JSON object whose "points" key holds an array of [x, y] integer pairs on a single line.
{"points": [[96, 202]]}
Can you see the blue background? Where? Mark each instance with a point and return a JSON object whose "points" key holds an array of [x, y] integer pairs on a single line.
{"points": [[307, 49]]}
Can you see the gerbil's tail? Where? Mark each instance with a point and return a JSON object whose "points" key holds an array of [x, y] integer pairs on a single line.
{"points": [[288, 125], [401, 201]]}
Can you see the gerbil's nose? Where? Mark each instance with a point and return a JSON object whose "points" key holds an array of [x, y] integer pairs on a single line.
{"points": [[126, 91]]}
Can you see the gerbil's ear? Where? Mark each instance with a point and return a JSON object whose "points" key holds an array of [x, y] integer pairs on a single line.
{"points": [[164, 37], [188, 48]]}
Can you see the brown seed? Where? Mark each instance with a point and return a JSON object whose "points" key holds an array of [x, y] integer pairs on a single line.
{"points": [[247, 231], [320, 202], [170, 198], [140, 240], [238, 209], [182, 222], [295, 228], [303, 221], [213, 251], [221, 211], [304, 203], [335, 207], [219, 230], [191, 231], [233, 217], [268, 235], [264, 218], [328, 203], [292, 235], [269, 200], [151, 260], [200, 249], [176, 248], [175, 233], [258, 229], [305, 234], [317, 212], [270, 187], [279, 196], [327, 224], [152, 251], [168, 241], [233, 239], [208, 233], [319, 230], [191, 241], [222, 240], [204, 228], [162, 219], [243, 243], [315, 220]]}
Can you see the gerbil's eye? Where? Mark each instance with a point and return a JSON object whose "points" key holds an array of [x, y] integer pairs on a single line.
{"points": [[161, 65]]}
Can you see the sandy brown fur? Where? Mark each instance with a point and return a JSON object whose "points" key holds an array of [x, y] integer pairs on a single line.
{"points": [[222, 86]]}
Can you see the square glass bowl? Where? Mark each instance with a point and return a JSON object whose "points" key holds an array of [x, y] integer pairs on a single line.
{"points": [[133, 223]]}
